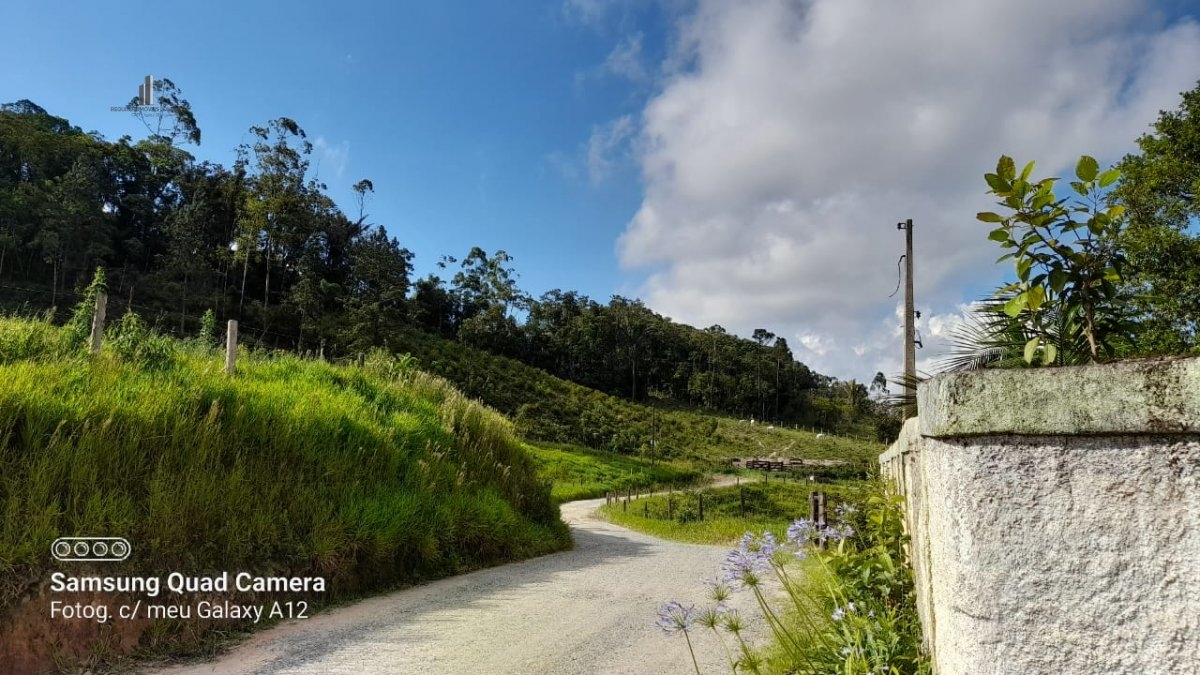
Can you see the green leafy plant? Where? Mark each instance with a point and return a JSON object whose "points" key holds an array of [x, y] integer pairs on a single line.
{"points": [[1067, 259], [208, 329], [850, 609], [79, 326], [135, 343]]}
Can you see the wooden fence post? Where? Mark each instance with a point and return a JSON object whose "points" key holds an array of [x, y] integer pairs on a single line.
{"points": [[671, 506], [700, 497], [645, 509], [742, 497], [361, 359], [819, 515], [98, 322], [231, 347]]}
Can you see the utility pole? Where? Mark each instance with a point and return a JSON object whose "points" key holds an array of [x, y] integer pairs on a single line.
{"points": [[910, 323]]}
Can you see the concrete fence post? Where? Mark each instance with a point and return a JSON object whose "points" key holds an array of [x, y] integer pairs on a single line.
{"points": [[231, 347]]}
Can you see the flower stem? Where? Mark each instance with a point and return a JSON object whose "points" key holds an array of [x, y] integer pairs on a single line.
{"points": [[691, 650]]}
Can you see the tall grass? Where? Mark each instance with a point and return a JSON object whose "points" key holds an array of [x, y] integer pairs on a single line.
{"points": [[370, 477], [580, 473]]}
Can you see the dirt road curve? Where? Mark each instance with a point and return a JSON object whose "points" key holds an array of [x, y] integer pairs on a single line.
{"points": [[587, 611]]}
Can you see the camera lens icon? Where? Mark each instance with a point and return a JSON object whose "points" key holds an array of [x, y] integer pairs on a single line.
{"points": [[90, 549]]}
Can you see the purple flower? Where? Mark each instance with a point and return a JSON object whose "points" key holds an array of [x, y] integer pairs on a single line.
{"points": [[767, 545], [800, 531], [718, 589], [673, 617], [751, 558], [742, 567], [835, 533]]}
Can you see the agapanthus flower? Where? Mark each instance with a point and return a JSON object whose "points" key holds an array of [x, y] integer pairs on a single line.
{"points": [[711, 617], [800, 531], [673, 617], [835, 533], [732, 621], [750, 559], [743, 567], [718, 589]]}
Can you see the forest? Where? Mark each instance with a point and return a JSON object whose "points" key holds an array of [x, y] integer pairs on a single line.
{"points": [[261, 242]]}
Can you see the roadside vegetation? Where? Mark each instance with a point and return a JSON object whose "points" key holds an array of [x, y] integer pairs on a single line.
{"points": [[370, 477], [835, 597], [728, 512]]}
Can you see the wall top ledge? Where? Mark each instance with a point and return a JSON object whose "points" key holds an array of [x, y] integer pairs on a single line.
{"points": [[1147, 396]]}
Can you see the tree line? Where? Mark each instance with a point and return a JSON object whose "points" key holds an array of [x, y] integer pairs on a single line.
{"points": [[262, 242]]}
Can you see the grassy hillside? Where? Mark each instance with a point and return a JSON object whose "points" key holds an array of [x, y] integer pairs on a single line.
{"points": [[547, 408], [368, 477], [580, 473]]}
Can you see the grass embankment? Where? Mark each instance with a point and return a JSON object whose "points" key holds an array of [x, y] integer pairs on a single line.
{"points": [[769, 506], [371, 477], [580, 473], [547, 408]]}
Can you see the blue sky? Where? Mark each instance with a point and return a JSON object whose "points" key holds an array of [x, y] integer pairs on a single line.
{"points": [[471, 119], [741, 163]]}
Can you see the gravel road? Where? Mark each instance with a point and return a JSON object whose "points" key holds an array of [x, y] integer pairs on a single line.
{"points": [[588, 611]]}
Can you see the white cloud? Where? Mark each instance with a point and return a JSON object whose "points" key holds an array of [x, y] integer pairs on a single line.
{"points": [[625, 60], [332, 157], [590, 12], [788, 137], [608, 149], [608, 146]]}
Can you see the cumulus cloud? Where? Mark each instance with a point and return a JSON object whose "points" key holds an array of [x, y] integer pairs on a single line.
{"points": [[789, 136]]}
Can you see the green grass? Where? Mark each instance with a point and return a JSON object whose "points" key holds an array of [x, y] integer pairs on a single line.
{"points": [[550, 409], [371, 477], [580, 473], [770, 506]]}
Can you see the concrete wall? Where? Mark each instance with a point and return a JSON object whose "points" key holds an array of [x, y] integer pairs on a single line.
{"points": [[1055, 518]]}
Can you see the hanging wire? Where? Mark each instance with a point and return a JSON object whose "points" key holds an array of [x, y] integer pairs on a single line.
{"points": [[899, 277]]}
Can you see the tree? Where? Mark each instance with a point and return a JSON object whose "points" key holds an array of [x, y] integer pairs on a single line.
{"points": [[273, 217], [378, 287], [1067, 257], [486, 281], [1159, 188]]}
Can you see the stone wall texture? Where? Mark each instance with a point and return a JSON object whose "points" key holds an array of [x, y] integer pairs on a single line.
{"points": [[1055, 518]]}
